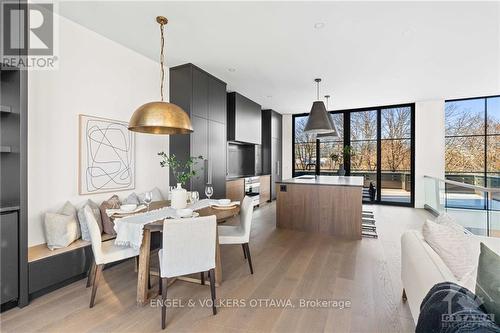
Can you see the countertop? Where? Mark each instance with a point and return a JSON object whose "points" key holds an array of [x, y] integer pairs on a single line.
{"points": [[325, 180], [228, 178]]}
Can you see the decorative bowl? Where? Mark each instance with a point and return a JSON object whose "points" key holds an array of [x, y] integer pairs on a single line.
{"points": [[185, 212]]}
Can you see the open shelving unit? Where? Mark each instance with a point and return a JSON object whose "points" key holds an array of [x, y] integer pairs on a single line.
{"points": [[5, 149], [13, 186], [5, 109]]}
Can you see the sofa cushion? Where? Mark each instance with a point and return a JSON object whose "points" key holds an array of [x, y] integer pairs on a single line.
{"points": [[107, 223], [454, 247], [488, 281]]}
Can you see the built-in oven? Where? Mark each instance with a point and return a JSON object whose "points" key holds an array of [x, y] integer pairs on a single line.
{"points": [[252, 189]]}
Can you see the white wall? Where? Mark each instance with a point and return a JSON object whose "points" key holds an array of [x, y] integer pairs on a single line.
{"points": [[429, 145], [286, 145], [99, 77]]}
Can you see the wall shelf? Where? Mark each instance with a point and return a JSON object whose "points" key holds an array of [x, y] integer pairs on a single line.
{"points": [[5, 149], [5, 109]]}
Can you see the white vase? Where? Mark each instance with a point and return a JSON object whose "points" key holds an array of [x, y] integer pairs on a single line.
{"points": [[179, 197]]}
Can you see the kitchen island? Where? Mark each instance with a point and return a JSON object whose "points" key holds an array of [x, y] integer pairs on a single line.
{"points": [[329, 205]]}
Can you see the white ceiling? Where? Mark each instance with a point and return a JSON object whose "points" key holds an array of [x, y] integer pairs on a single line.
{"points": [[367, 53]]}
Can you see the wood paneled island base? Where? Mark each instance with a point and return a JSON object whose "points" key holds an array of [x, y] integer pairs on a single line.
{"points": [[326, 204]]}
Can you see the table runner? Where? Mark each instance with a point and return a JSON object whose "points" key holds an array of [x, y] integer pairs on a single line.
{"points": [[129, 230]]}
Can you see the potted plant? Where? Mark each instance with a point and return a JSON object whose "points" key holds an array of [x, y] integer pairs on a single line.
{"points": [[341, 158], [182, 172]]}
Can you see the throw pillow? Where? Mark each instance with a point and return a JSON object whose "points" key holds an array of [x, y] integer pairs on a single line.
{"points": [[69, 209], [454, 247], [60, 230], [107, 223], [132, 199], [157, 196], [83, 221], [447, 220], [488, 281]]}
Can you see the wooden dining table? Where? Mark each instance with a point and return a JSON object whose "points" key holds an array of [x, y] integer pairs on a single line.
{"points": [[222, 215]]}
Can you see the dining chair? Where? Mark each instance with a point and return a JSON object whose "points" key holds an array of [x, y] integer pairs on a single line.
{"points": [[104, 253], [188, 247], [240, 234]]}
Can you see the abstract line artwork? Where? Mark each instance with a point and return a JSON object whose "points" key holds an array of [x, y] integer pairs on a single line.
{"points": [[107, 155]]}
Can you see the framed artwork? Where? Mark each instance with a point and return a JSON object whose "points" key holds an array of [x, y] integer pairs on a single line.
{"points": [[107, 155]]}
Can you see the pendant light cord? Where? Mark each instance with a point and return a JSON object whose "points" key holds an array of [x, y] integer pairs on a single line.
{"points": [[162, 59], [317, 90]]}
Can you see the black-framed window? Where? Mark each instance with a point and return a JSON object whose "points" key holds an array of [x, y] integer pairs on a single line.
{"points": [[381, 140], [472, 153]]}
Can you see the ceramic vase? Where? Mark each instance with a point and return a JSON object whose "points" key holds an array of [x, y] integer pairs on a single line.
{"points": [[179, 197], [341, 170]]}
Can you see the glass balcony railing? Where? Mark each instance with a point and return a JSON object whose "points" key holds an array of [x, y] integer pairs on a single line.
{"points": [[476, 208]]}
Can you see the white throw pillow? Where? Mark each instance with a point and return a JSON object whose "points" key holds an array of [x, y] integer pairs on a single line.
{"points": [[60, 230], [454, 247], [69, 209], [447, 220]]}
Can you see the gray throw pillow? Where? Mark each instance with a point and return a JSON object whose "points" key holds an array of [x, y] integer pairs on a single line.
{"points": [[488, 281], [83, 221], [156, 194], [132, 199], [60, 230]]}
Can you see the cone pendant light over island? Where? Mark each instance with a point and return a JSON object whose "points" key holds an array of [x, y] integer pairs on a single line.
{"points": [[160, 117], [319, 120], [333, 134]]}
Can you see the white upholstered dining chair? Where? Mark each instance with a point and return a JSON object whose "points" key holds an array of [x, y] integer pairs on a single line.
{"points": [[104, 253], [188, 247], [240, 234]]}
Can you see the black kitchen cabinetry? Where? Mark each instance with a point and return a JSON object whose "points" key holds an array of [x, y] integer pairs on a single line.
{"points": [[271, 147], [13, 187], [244, 119], [203, 97], [9, 252]]}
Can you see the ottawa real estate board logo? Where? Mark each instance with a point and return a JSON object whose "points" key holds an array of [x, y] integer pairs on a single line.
{"points": [[28, 36]]}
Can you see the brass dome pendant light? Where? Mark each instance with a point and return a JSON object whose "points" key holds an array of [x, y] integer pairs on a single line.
{"points": [[319, 120], [333, 134], [160, 117]]}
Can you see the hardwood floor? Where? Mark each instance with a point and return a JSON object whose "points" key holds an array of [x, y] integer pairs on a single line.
{"points": [[287, 265]]}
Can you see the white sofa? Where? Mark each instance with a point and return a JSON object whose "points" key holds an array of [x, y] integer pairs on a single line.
{"points": [[422, 268]]}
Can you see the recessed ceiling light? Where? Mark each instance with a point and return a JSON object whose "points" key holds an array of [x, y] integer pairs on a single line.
{"points": [[231, 70], [319, 25]]}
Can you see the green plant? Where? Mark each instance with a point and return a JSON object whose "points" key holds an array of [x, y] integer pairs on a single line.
{"points": [[347, 152], [181, 171]]}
